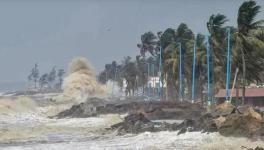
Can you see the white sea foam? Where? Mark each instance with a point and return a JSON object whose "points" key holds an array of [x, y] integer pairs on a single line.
{"points": [[160, 140]]}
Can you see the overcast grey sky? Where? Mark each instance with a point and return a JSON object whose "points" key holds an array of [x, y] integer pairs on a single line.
{"points": [[53, 32]]}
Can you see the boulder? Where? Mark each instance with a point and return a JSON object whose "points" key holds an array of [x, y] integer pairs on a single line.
{"points": [[82, 110], [242, 109], [219, 121], [137, 123], [247, 124], [257, 148], [222, 110]]}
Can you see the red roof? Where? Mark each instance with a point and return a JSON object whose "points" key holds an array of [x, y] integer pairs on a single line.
{"points": [[250, 92]]}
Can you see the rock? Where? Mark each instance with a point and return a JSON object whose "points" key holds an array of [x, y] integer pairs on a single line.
{"points": [[222, 110], [137, 123], [87, 109], [187, 123], [134, 123], [259, 148], [182, 131], [247, 124], [252, 113], [242, 109], [224, 105], [133, 118], [219, 121], [230, 121]]}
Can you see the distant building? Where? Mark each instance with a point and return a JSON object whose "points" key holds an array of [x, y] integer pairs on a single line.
{"points": [[253, 96], [153, 82]]}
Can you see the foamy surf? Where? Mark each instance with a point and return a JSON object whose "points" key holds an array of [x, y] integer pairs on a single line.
{"points": [[24, 125], [147, 141], [25, 122]]}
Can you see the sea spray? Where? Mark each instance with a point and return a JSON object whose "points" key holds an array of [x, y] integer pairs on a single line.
{"points": [[21, 104], [81, 83]]}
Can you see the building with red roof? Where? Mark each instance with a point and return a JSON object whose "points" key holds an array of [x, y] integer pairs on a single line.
{"points": [[253, 96]]}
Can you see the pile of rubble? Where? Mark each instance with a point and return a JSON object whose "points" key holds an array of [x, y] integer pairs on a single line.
{"points": [[234, 121], [225, 119], [82, 110], [137, 123], [257, 148]]}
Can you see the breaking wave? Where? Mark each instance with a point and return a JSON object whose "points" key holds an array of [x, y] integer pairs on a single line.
{"points": [[18, 105], [81, 82]]}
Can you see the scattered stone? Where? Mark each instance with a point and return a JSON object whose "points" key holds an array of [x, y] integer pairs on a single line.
{"points": [[257, 148], [137, 123], [87, 109], [222, 110], [226, 119], [242, 109], [247, 124], [219, 121], [231, 121]]}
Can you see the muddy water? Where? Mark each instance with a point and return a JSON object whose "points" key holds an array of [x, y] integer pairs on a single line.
{"points": [[27, 127]]}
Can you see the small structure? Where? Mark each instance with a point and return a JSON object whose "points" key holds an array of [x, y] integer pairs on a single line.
{"points": [[153, 82], [253, 96]]}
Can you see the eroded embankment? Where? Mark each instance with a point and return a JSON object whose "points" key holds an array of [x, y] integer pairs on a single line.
{"points": [[226, 119], [154, 110]]}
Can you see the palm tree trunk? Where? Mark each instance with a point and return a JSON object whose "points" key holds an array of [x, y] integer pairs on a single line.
{"points": [[243, 78], [162, 87], [234, 83], [168, 88], [35, 83]]}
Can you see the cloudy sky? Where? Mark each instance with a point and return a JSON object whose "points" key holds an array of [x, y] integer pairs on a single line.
{"points": [[53, 32]]}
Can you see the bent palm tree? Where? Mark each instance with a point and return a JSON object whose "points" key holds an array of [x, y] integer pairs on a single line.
{"points": [[148, 43], [247, 45], [217, 36]]}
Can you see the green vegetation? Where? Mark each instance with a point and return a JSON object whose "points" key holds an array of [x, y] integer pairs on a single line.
{"points": [[247, 55]]}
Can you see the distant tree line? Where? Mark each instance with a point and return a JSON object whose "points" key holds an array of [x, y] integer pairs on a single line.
{"points": [[51, 80], [132, 72]]}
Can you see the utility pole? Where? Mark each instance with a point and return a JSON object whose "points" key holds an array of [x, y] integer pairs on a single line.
{"points": [[209, 100], [193, 70], [148, 81], [153, 83], [160, 70], [228, 64], [180, 74]]}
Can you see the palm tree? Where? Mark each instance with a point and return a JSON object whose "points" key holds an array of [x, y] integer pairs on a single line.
{"points": [[185, 36], [171, 65], [215, 28], [129, 71], [200, 64], [169, 43], [148, 43], [247, 45], [217, 37]]}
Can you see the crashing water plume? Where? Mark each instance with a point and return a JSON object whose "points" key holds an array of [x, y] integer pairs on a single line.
{"points": [[81, 83]]}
